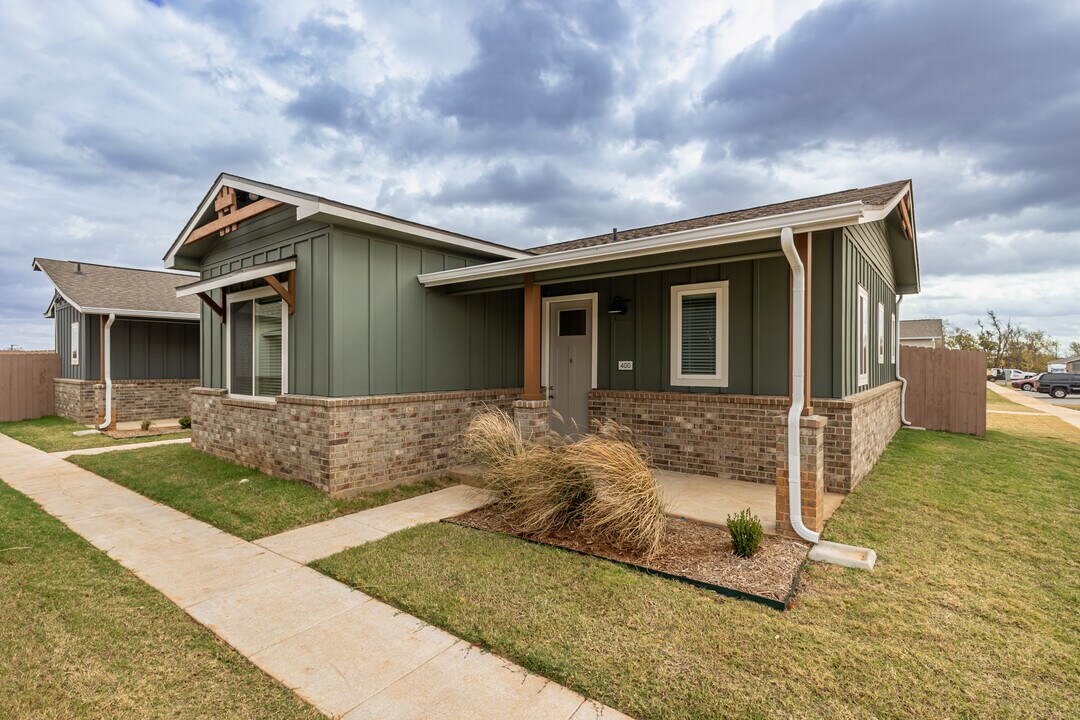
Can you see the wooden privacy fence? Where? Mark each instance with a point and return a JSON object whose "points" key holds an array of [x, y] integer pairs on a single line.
{"points": [[26, 384], [946, 389]]}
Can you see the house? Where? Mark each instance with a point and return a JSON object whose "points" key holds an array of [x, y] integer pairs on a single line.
{"points": [[1069, 364], [347, 349], [129, 348], [928, 332]]}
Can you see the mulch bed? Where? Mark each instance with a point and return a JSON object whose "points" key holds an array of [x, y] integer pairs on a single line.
{"points": [[156, 430], [691, 550]]}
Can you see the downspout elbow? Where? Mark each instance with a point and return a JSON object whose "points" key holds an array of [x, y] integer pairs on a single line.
{"points": [[798, 376], [107, 421]]}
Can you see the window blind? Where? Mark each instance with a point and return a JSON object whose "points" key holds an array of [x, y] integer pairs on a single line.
{"points": [[699, 334]]}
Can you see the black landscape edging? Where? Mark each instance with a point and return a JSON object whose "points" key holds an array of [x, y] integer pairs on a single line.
{"points": [[780, 605]]}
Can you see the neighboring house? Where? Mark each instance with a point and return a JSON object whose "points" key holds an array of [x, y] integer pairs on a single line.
{"points": [[347, 349], [1069, 364], [928, 332], [126, 342]]}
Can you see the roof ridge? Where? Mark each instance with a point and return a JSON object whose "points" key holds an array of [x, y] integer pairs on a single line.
{"points": [[175, 273]]}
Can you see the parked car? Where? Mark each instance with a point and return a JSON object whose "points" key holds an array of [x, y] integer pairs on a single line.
{"points": [[1059, 385], [1027, 384]]}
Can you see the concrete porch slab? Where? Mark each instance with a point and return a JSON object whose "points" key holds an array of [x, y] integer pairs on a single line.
{"points": [[710, 500]]}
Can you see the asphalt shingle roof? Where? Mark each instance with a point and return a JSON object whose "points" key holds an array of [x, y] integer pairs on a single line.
{"points": [[875, 196], [925, 328], [119, 288]]}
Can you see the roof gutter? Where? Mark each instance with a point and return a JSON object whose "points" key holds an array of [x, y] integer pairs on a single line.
{"points": [[742, 230]]}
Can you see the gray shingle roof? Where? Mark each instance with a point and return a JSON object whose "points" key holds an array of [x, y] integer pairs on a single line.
{"points": [[119, 288], [925, 328], [875, 196]]}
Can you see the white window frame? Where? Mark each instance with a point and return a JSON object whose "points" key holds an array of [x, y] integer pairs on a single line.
{"points": [[73, 354], [862, 337], [881, 333], [720, 378], [243, 296], [892, 345]]}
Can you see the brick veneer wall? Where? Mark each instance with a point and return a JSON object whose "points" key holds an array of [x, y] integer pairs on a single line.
{"points": [[75, 400], [859, 429], [706, 434], [341, 445], [735, 435], [84, 400]]}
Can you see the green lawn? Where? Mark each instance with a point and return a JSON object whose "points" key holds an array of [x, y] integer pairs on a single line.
{"points": [[53, 434], [997, 401], [971, 611], [81, 637], [239, 500]]}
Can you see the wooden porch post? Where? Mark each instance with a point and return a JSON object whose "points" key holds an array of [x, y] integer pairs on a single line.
{"points": [[803, 246], [532, 340]]}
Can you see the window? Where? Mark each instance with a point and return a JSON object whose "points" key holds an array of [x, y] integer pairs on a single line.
{"points": [[572, 322], [699, 315], [892, 345], [862, 348], [258, 338], [880, 334], [74, 343]]}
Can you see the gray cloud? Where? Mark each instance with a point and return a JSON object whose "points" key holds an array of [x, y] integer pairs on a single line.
{"points": [[537, 65]]}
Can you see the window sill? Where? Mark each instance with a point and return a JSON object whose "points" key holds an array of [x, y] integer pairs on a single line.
{"points": [[249, 401]]}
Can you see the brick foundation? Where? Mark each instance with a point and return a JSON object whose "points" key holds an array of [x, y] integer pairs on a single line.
{"points": [[84, 400], [735, 435], [341, 445], [859, 429]]}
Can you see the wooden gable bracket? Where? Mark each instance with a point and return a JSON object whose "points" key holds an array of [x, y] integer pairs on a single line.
{"points": [[287, 294], [229, 216], [905, 217], [218, 309]]}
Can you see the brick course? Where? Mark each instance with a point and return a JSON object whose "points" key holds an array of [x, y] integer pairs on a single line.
{"points": [[860, 428], [341, 445], [84, 400]]}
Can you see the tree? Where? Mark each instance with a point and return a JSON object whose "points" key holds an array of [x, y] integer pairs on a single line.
{"points": [[1074, 347], [997, 339], [957, 338]]}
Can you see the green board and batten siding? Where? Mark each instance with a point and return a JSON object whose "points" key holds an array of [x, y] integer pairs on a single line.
{"points": [[365, 326], [363, 323], [864, 259]]}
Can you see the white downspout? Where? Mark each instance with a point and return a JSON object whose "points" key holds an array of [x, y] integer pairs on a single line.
{"points": [[108, 373], [901, 378], [798, 377]]}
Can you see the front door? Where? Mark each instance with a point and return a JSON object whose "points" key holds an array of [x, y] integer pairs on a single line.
{"points": [[570, 350]]}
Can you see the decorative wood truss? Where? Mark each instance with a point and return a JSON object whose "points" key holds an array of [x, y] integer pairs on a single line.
{"points": [[286, 291], [905, 217], [229, 215]]}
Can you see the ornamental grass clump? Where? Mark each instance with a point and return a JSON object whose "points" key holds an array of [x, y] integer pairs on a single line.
{"points": [[626, 507], [601, 485], [745, 531]]}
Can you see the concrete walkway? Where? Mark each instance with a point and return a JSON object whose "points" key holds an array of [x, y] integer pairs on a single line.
{"points": [[1020, 398], [113, 448], [323, 539], [344, 652]]}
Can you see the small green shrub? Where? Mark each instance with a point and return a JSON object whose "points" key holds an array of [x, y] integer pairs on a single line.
{"points": [[745, 531], [185, 422], [145, 425]]}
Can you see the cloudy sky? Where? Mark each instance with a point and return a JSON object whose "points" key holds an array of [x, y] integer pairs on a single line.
{"points": [[527, 122]]}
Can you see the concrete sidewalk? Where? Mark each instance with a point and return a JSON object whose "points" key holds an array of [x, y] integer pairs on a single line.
{"points": [[344, 652], [320, 540], [1020, 398], [113, 448]]}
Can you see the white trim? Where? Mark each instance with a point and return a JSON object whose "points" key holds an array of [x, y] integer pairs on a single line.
{"points": [[317, 208], [881, 333], [238, 276], [151, 314], [870, 216], [244, 296], [73, 351], [862, 336], [892, 326], [720, 378], [742, 230], [545, 330]]}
